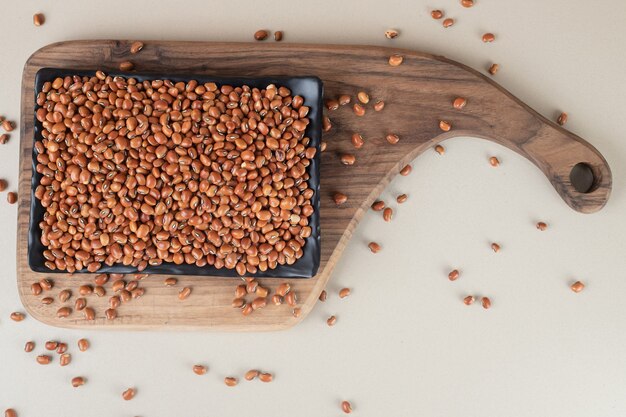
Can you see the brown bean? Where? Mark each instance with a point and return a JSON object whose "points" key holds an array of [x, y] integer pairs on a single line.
{"points": [[258, 303], [467, 3], [291, 298], [39, 19], [486, 302], [323, 296], [331, 321], [266, 377], [64, 312], [562, 119], [11, 197], [577, 286], [440, 149], [3, 185], [395, 60], [17, 316], [495, 247], [110, 313], [184, 293], [44, 359], [493, 69], [469, 300], [230, 381], [363, 97], [65, 295], [135, 47], [251, 286], [61, 348], [199, 369], [277, 299], [35, 288], [251, 374], [357, 140], [129, 394], [453, 275], [99, 291], [379, 105], [401, 198], [126, 66], [374, 247], [170, 282], [51, 345], [8, 125], [247, 310], [332, 104], [406, 170], [346, 407], [89, 313], [344, 99], [445, 126], [261, 35], [348, 159], [47, 300], [542, 226], [448, 22], [494, 162], [283, 289], [85, 290], [340, 198], [358, 109], [65, 359], [29, 346], [378, 205], [278, 36], [387, 214], [238, 302], [296, 312], [83, 345], [459, 103], [101, 279], [489, 37], [392, 138], [391, 34], [78, 381], [344, 292], [80, 304], [9, 412], [436, 14]]}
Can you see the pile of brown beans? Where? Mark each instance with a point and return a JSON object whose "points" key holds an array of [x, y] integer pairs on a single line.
{"points": [[140, 173]]}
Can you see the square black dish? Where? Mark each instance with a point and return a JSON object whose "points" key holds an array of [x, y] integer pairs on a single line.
{"points": [[310, 88]]}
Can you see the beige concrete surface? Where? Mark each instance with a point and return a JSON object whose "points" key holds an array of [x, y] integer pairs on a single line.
{"points": [[404, 343]]}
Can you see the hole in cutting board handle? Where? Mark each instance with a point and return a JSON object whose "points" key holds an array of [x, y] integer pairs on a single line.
{"points": [[583, 178]]}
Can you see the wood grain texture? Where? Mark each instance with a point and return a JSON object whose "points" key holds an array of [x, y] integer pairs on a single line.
{"points": [[418, 94]]}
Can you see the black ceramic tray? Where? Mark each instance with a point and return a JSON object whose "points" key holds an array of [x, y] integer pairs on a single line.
{"points": [[310, 88]]}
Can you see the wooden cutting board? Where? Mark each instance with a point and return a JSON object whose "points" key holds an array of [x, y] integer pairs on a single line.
{"points": [[418, 94]]}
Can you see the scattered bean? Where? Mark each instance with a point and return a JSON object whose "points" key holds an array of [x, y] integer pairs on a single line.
{"points": [[85, 290], [340, 198], [459, 103], [78, 381], [266, 377], [358, 109], [348, 159], [47, 300], [283, 289], [387, 214], [392, 138], [90, 313], [99, 291], [395, 60], [391, 34], [170, 282], [357, 140], [445, 126], [346, 407], [9, 412], [440, 149], [467, 3], [323, 296], [278, 36], [126, 66], [199, 369], [406, 170], [374, 247], [230, 381], [469, 300], [3, 185], [251, 374], [327, 125], [135, 47], [247, 310], [486, 302], [4, 139], [39, 19], [453, 275], [331, 321], [29, 346], [65, 359], [488, 37], [44, 359], [80, 304], [344, 292], [12, 197], [238, 302], [8, 125], [562, 119], [323, 146], [291, 298], [258, 303], [110, 313], [363, 97], [493, 69], [448, 22], [61, 348], [542, 226], [101, 279], [64, 295], [83, 345], [277, 299], [261, 35], [331, 104], [296, 312], [577, 286], [494, 161], [379, 105], [46, 284], [129, 394], [436, 14], [184, 293], [344, 99], [35, 288], [17, 316], [401, 198], [495, 247], [378, 205], [51, 345]]}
